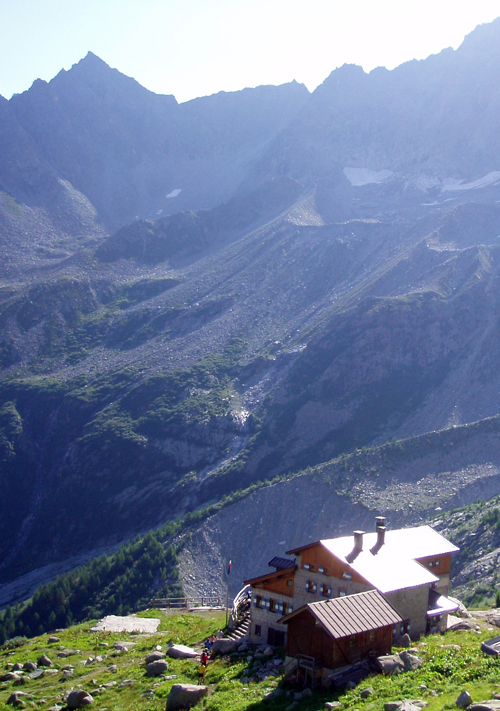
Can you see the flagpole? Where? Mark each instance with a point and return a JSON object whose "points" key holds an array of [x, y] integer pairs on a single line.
{"points": [[227, 591]]}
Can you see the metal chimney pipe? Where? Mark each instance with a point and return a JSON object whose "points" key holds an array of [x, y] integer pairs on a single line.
{"points": [[358, 540], [380, 536], [379, 521]]}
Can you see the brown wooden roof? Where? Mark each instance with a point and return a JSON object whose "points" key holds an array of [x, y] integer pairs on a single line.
{"points": [[352, 614]]}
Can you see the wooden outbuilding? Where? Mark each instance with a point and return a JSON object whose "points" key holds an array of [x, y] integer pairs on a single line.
{"points": [[323, 636]]}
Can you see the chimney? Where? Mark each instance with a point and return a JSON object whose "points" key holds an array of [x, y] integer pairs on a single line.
{"points": [[358, 541], [379, 522], [380, 536]]}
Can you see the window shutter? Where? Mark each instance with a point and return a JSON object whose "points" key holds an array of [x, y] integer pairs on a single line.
{"points": [[307, 585], [329, 591], [290, 608], [315, 587], [254, 600]]}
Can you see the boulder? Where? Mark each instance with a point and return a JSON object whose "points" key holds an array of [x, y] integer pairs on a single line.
{"points": [[225, 646], [157, 668], [411, 661], [365, 693], [273, 695], [405, 705], [10, 676], [78, 698], [332, 705], [491, 705], [123, 646], [154, 657], [53, 639], [390, 664], [462, 610], [18, 698], [464, 699], [404, 641], [44, 661], [464, 625], [180, 651], [184, 696], [30, 666]]}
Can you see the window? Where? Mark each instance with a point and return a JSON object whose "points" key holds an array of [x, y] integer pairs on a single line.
{"points": [[325, 590], [347, 576], [311, 586], [257, 601], [436, 563], [289, 583], [258, 630], [372, 636], [431, 564], [272, 605], [342, 592], [322, 570], [309, 566], [286, 608]]}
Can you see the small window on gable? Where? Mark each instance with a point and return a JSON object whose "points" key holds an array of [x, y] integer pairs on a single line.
{"points": [[431, 564], [289, 583], [436, 563]]}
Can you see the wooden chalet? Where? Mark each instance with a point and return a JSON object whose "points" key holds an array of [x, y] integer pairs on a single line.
{"points": [[323, 636]]}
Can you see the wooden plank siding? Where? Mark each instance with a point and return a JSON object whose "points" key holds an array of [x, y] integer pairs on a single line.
{"points": [[319, 557]]}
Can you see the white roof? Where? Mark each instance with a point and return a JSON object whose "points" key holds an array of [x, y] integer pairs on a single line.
{"points": [[393, 566]]}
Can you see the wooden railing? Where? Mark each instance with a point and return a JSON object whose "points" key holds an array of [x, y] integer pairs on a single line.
{"points": [[189, 602]]}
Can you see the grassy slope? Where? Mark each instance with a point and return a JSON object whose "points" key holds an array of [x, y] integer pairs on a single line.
{"points": [[451, 663]]}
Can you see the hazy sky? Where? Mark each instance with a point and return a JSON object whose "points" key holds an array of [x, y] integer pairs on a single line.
{"points": [[197, 47]]}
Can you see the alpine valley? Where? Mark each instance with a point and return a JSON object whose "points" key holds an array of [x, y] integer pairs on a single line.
{"points": [[270, 285]]}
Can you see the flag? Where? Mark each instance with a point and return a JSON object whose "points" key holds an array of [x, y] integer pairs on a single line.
{"points": [[229, 567]]}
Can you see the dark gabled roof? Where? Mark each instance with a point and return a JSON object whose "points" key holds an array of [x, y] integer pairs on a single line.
{"points": [[352, 614], [281, 563], [272, 575]]}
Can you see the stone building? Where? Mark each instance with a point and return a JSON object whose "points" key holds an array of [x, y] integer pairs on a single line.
{"points": [[410, 567]]}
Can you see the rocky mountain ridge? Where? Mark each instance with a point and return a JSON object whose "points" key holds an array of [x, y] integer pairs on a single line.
{"points": [[331, 285]]}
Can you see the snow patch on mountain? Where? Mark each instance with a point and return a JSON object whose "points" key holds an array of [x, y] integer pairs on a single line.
{"points": [[364, 176], [452, 184]]}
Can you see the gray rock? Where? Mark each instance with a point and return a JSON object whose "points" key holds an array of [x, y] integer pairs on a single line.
{"points": [[44, 661], [78, 698], [462, 610], [37, 674], [184, 696], [225, 646], [30, 666], [128, 682], [405, 705], [332, 705], [68, 652], [10, 676], [404, 641], [273, 695], [18, 699], [268, 652], [181, 651], [157, 668], [411, 661], [390, 664], [123, 646], [53, 639], [464, 625], [464, 699], [365, 693], [154, 657], [307, 693], [113, 668], [490, 705]]}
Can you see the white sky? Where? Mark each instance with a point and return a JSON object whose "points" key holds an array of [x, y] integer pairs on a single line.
{"points": [[193, 48]]}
